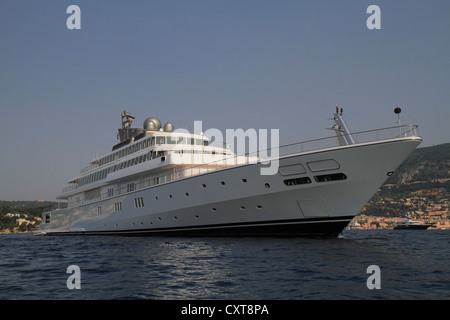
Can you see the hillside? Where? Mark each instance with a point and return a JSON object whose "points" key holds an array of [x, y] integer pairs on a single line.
{"points": [[420, 187], [424, 165], [34, 208], [22, 216]]}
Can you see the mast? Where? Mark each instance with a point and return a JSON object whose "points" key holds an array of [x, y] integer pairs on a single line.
{"points": [[340, 127]]}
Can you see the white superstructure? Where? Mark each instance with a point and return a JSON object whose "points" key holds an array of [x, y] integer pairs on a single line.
{"points": [[157, 181]]}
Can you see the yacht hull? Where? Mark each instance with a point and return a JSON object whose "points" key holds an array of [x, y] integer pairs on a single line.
{"points": [[314, 194]]}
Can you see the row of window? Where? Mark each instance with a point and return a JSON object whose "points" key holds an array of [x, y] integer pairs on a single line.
{"points": [[96, 176], [150, 223], [101, 174], [139, 202], [201, 152], [135, 147], [320, 178]]}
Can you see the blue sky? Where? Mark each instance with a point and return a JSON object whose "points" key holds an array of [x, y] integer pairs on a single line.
{"points": [[231, 63]]}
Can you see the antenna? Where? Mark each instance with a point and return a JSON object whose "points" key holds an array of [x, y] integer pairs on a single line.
{"points": [[397, 111], [127, 119]]}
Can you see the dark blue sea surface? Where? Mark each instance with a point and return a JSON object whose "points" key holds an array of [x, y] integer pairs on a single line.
{"points": [[413, 265]]}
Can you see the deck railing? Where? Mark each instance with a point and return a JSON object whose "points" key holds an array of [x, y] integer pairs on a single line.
{"points": [[359, 137], [227, 161]]}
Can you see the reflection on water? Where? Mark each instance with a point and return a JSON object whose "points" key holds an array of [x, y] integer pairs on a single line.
{"points": [[413, 266]]}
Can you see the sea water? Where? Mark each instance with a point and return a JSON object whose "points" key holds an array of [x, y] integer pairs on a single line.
{"points": [[411, 265]]}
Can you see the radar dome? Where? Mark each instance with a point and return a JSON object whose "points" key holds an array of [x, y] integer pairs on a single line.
{"points": [[168, 127], [152, 124]]}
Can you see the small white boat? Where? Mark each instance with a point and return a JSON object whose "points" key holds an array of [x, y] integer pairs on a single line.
{"points": [[411, 225]]}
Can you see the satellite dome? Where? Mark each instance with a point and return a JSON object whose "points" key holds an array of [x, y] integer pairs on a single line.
{"points": [[152, 124], [168, 127]]}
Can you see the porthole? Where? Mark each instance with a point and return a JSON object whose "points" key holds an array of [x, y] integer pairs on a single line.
{"points": [[196, 216], [204, 185], [187, 194], [170, 196], [214, 209], [267, 185], [244, 180], [242, 207], [258, 207], [222, 183]]}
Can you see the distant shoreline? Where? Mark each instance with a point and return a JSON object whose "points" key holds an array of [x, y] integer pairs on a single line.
{"points": [[16, 232], [363, 222], [2, 232]]}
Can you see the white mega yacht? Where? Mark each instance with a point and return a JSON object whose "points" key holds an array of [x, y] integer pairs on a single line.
{"points": [[157, 181]]}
